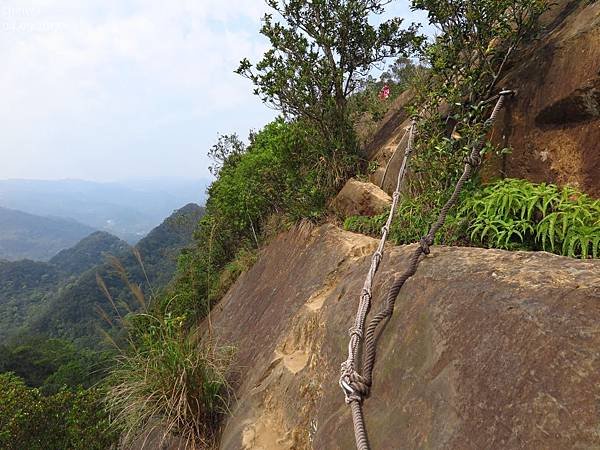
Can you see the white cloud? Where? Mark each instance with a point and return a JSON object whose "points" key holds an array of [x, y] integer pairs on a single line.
{"points": [[76, 74], [91, 88]]}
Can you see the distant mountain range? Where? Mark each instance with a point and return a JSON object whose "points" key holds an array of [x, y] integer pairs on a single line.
{"points": [[128, 209], [24, 235], [62, 297]]}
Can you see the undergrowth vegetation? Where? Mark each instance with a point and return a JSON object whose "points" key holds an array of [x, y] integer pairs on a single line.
{"points": [[508, 214], [413, 220], [283, 175], [169, 382], [453, 96], [514, 214], [478, 41], [69, 419]]}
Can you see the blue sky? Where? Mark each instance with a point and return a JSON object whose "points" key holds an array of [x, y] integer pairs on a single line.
{"points": [[119, 89]]}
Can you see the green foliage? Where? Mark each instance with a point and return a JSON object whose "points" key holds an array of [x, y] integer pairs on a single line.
{"points": [[284, 171], [169, 380], [52, 364], [412, 221], [478, 40], [367, 109], [319, 54], [518, 214], [401, 74], [24, 286], [229, 147], [66, 420], [242, 262]]}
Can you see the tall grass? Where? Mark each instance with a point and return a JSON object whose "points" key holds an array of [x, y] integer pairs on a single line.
{"points": [[168, 381]]}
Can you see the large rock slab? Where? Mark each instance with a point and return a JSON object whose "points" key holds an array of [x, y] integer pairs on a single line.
{"points": [[487, 349], [358, 198]]}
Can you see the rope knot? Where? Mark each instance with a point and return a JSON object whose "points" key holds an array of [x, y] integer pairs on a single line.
{"points": [[355, 387], [354, 331], [425, 243], [473, 160]]}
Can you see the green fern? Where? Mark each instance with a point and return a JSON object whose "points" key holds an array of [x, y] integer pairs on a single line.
{"points": [[516, 213]]}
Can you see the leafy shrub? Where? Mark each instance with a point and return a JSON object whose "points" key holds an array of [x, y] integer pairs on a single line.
{"points": [[242, 262], [66, 420], [285, 172], [170, 381], [414, 217], [320, 52], [518, 214], [479, 40]]}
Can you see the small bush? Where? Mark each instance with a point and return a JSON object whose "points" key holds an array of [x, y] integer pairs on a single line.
{"points": [[171, 382], [513, 214], [242, 262]]}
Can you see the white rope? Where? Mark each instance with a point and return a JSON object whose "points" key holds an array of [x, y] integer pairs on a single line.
{"points": [[348, 368]]}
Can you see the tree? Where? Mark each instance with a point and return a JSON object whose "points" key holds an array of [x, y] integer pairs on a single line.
{"points": [[401, 72], [228, 149], [318, 56]]}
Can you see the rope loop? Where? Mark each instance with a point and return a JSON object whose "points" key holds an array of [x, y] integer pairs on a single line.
{"points": [[354, 331]]}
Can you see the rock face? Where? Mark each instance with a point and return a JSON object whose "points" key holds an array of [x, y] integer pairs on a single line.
{"points": [[487, 349], [388, 144], [553, 125], [360, 199]]}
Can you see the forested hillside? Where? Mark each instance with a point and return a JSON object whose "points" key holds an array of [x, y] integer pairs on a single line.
{"points": [[88, 253], [24, 235], [79, 309], [54, 317], [59, 297]]}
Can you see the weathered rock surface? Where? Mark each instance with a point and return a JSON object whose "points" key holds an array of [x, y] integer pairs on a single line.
{"points": [[388, 144], [358, 198], [487, 349], [553, 125]]}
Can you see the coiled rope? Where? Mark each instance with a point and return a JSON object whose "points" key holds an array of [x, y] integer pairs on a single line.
{"points": [[357, 387]]}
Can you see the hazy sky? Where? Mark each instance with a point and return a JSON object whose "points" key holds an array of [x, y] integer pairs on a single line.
{"points": [[115, 89]]}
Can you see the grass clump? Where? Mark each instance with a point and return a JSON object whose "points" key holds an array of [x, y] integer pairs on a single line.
{"points": [[169, 383]]}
